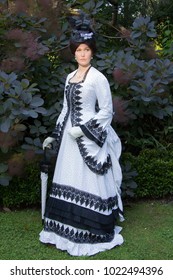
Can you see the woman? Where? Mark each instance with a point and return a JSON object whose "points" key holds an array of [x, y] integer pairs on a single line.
{"points": [[85, 199]]}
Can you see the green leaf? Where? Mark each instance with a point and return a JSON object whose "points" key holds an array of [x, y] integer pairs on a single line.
{"points": [[136, 34], [25, 83], [4, 180], [168, 32], [32, 114], [146, 99], [27, 97], [5, 126], [99, 3], [151, 34], [18, 45], [41, 110], [36, 101], [20, 127], [42, 20], [3, 76], [29, 140], [3, 167], [12, 77], [101, 63]]}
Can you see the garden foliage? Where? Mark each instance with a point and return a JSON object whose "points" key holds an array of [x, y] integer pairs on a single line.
{"points": [[35, 60], [154, 173]]}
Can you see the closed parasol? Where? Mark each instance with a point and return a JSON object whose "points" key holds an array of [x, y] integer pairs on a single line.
{"points": [[44, 166]]}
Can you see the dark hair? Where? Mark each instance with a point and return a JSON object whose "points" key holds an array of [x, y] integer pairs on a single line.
{"points": [[91, 43]]}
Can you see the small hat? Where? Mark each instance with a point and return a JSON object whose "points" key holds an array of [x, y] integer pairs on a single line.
{"points": [[82, 30]]}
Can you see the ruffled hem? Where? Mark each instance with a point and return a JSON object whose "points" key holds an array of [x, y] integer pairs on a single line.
{"points": [[76, 249]]}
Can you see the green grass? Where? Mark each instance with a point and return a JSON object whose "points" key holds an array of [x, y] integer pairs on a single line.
{"points": [[147, 231]]}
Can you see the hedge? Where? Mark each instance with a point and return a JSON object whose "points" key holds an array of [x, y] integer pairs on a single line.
{"points": [[24, 190], [155, 173]]}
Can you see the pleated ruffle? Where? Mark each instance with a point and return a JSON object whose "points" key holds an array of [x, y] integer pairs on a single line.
{"points": [[81, 217], [80, 249]]}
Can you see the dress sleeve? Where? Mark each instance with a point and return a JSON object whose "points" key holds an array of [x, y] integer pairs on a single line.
{"points": [[95, 128]]}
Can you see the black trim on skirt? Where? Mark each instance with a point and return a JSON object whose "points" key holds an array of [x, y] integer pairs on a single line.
{"points": [[80, 217]]}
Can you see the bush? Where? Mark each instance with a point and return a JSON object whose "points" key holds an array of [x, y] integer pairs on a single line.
{"points": [[37, 50], [23, 191], [155, 173]]}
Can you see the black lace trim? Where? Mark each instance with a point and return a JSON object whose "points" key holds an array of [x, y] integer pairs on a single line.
{"points": [[76, 236], [84, 198], [72, 94], [80, 217], [95, 132], [76, 104], [92, 163], [59, 128], [57, 133]]}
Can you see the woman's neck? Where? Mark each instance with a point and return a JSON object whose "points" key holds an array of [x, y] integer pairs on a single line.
{"points": [[80, 74], [82, 69]]}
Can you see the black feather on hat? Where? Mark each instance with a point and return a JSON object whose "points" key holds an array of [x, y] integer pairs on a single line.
{"points": [[82, 29]]}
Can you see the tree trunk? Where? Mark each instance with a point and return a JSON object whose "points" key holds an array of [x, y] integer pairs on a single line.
{"points": [[114, 12]]}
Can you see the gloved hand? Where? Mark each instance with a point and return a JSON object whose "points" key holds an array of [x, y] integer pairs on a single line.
{"points": [[47, 142], [76, 132]]}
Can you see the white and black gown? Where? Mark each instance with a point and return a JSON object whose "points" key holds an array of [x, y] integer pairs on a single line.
{"points": [[85, 199]]}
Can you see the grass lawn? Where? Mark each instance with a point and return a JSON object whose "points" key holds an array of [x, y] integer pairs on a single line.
{"points": [[147, 231]]}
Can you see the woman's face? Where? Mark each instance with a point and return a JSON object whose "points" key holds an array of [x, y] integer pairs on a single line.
{"points": [[83, 55]]}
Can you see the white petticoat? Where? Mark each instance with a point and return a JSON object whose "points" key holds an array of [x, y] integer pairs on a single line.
{"points": [[75, 249]]}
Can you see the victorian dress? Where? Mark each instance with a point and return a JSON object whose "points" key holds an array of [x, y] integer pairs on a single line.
{"points": [[85, 198]]}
